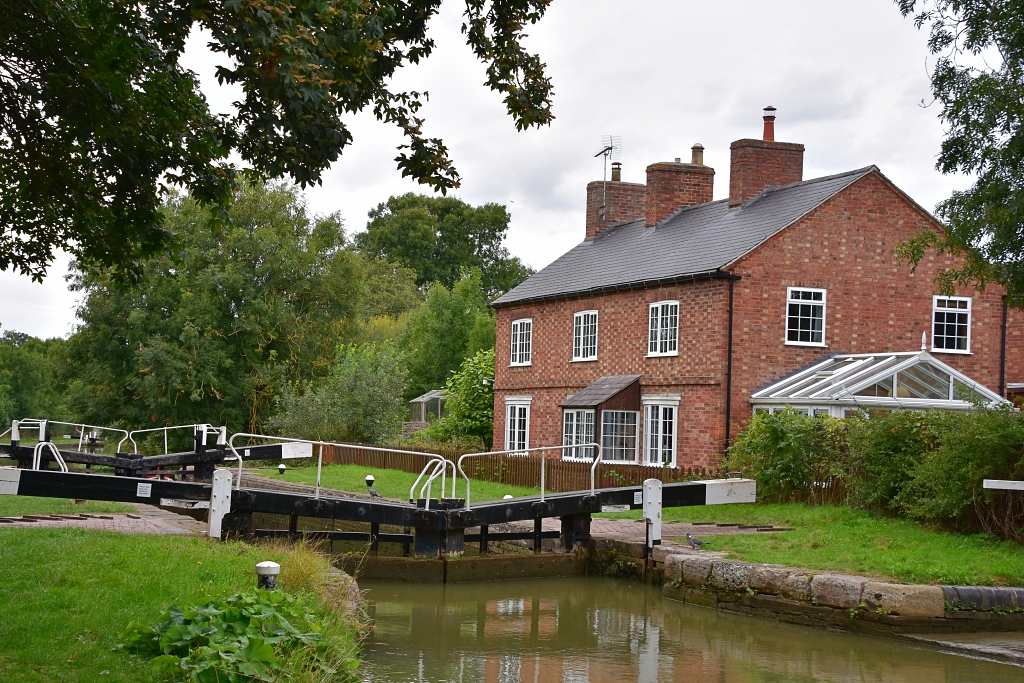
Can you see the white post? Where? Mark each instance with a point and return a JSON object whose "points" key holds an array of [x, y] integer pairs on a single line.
{"points": [[15, 431], [543, 460], [319, 466], [652, 512], [220, 500]]}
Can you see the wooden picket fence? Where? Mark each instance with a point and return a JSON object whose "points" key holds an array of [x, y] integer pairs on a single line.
{"points": [[517, 470]]}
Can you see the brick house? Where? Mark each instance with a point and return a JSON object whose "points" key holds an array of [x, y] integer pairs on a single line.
{"points": [[652, 334]]}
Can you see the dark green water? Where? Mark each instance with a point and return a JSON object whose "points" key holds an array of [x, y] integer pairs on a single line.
{"points": [[609, 631]]}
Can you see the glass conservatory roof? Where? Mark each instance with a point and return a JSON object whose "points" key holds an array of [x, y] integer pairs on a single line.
{"points": [[878, 380]]}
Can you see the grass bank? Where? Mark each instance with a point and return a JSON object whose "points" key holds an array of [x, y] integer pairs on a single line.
{"points": [[69, 594], [391, 483], [845, 539]]}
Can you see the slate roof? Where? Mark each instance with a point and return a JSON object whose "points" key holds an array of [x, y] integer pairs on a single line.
{"points": [[600, 391], [692, 243]]}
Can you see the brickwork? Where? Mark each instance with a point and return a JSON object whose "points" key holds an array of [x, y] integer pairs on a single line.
{"points": [[697, 373], [873, 304], [623, 202], [672, 185], [756, 164]]}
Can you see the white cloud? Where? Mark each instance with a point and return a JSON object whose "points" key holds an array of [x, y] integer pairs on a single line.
{"points": [[847, 78]]}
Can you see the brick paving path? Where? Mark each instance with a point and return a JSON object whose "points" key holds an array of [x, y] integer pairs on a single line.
{"points": [[148, 520]]}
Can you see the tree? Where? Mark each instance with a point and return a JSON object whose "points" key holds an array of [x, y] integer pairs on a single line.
{"points": [[214, 333], [98, 117], [359, 401], [30, 378], [437, 339], [978, 80], [469, 401], [440, 237]]}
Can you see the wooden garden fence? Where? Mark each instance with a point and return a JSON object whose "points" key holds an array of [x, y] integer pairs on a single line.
{"points": [[517, 470]]}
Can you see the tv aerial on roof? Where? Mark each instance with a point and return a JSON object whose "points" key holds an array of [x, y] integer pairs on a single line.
{"points": [[611, 150]]}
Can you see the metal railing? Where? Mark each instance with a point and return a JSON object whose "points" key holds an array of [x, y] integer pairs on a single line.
{"points": [[37, 454], [320, 459], [135, 447], [33, 423], [543, 462]]}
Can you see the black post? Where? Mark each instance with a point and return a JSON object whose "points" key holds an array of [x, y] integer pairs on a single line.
{"points": [[483, 539], [538, 526], [406, 546], [293, 527], [374, 537]]}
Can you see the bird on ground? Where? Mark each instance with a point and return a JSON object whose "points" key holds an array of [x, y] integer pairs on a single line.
{"points": [[694, 542], [373, 492]]}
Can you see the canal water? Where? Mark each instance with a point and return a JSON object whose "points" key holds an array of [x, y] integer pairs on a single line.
{"points": [[600, 630]]}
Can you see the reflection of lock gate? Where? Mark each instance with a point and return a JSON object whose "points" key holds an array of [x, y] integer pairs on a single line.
{"points": [[439, 524]]}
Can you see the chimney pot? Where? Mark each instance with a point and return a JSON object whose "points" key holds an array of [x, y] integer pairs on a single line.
{"points": [[697, 155], [769, 124], [616, 171], [679, 160]]}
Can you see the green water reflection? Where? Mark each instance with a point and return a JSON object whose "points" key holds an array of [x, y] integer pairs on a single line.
{"points": [[606, 630]]}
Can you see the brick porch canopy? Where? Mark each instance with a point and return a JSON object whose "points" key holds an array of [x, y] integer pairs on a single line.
{"points": [[691, 243]]}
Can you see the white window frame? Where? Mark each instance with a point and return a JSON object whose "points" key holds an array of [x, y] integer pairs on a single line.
{"points": [[936, 309], [521, 352], [515, 408], [572, 450], [579, 349], [636, 445], [660, 403], [659, 334], [824, 314]]}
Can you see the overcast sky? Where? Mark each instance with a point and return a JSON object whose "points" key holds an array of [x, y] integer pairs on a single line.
{"points": [[848, 79]]}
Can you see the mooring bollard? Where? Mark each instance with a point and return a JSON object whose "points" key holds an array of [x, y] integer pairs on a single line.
{"points": [[266, 575]]}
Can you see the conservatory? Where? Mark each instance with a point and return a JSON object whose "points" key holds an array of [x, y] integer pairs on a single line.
{"points": [[844, 383]]}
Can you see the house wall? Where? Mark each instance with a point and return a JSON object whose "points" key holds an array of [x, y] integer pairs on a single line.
{"points": [[697, 373], [873, 303]]}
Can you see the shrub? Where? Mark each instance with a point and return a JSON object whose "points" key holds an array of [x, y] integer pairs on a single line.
{"points": [[885, 447], [469, 402]]}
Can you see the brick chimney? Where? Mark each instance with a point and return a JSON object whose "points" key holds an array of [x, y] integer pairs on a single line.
{"points": [[757, 164], [613, 202], [671, 185]]}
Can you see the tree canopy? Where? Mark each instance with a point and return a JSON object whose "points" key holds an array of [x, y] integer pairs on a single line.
{"points": [[218, 331], [98, 118], [441, 237], [978, 81]]}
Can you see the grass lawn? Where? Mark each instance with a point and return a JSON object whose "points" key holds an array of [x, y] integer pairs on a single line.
{"points": [[844, 539], [68, 595], [392, 483]]}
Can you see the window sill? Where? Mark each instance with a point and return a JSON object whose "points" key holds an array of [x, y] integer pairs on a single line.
{"points": [[583, 360], [952, 351], [519, 365], [816, 345], [662, 355]]}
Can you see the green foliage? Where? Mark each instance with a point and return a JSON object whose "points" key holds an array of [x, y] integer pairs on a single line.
{"points": [[440, 237], [793, 456], [976, 79], [359, 401], [101, 117], [216, 331], [469, 401], [256, 636], [927, 465], [30, 378], [437, 339]]}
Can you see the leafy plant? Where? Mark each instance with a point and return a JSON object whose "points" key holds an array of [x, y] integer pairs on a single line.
{"points": [[257, 636], [469, 396]]}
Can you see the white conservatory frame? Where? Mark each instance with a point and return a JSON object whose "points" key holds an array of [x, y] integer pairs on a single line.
{"points": [[830, 387]]}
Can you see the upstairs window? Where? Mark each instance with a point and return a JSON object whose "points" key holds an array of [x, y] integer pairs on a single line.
{"points": [[951, 324], [805, 316], [522, 342], [664, 329], [584, 336]]}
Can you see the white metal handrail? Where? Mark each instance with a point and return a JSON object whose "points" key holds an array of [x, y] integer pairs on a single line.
{"points": [[135, 447], [543, 462], [320, 459], [36, 423], [37, 454]]}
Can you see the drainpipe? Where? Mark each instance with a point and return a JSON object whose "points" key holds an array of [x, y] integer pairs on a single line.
{"points": [[1002, 353], [728, 363]]}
